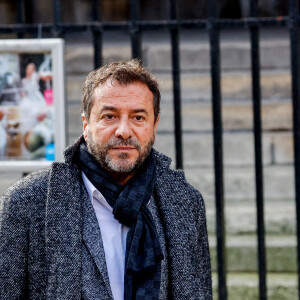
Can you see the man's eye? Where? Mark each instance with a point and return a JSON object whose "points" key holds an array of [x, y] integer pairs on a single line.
{"points": [[109, 117], [139, 118]]}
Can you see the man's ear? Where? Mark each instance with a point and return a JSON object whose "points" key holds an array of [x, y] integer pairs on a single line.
{"points": [[155, 128], [155, 124], [85, 126]]}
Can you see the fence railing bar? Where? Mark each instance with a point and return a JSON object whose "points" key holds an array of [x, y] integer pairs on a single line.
{"points": [[97, 35], [151, 25], [19, 28], [215, 62], [295, 64], [220, 23], [135, 34], [256, 98], [176, 86], [248, 22]]}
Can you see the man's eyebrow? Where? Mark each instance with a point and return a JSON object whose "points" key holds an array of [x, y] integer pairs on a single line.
{"points": [[106, 107], [112, 108], [140, 110]]}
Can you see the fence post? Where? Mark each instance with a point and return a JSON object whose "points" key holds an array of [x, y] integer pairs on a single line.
{"points": [[97, 35], [256, 95], [56, 17], [176, 86], [135, 34], [28, 11], [295, 65], [20, 16], [215, 62]]}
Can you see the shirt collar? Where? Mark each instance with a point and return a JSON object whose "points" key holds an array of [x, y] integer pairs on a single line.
{"points": [[94, 194]]}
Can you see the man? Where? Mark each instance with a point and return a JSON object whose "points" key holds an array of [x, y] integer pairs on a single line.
{"points": [[113, 221]]}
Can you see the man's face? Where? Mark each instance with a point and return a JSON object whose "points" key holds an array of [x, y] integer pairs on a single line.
{"points": [[121, 129]]}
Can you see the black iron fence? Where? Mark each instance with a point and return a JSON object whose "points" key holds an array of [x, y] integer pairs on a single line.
{"points": [[214, 25]]}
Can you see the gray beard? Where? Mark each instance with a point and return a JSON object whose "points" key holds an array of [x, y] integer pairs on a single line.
{"points": [[122, 167]]}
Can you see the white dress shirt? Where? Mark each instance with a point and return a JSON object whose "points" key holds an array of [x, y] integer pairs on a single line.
{"points": [[114, 236]]}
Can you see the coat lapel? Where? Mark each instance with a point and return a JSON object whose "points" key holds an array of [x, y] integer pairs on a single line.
{"points": [[63, 234], [92, 238], [152, 206]]}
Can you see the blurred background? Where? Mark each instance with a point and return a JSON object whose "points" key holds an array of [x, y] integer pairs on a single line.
{"points": [[228, 77]]}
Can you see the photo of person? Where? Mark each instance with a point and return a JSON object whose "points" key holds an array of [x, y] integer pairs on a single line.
{"points": [[31, 88], [26, 107]]}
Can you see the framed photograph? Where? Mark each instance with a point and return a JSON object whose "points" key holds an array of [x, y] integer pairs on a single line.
{"points": [[32, 103]]}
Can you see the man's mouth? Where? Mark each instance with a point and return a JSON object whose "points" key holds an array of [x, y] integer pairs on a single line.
{"points": [[123, 148]]}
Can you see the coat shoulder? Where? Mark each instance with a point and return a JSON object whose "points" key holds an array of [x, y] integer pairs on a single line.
{"points": [[173, 188], [26, 194], [173, 179], [33, 183]]}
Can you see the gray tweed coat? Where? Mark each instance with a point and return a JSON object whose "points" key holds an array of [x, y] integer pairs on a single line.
{"points": [[51, 246]]}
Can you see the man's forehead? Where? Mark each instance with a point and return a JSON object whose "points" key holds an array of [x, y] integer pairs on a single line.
{"points": [[111, 83], [113, 88]]}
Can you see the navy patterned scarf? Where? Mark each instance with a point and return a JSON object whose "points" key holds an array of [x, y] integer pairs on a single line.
{"points": [[143, 252]]}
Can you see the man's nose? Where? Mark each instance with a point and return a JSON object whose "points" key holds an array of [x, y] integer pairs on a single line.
{"points": [[123, 130]]}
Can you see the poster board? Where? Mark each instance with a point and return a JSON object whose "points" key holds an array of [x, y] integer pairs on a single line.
{"points": [[32, 103]]}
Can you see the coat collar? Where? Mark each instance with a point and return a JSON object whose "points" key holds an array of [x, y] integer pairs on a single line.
{"points": [[92, 238]]}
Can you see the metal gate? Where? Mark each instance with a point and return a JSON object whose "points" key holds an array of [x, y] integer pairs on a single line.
{"points": [[213, 25]]}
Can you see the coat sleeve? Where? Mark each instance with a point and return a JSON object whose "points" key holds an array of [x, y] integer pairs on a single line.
{"points": [[194, 282], [13, 247], [203, 255], [184, 220]]}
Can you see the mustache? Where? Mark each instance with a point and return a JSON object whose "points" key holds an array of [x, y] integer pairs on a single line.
{"points": [[122, 142]]}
